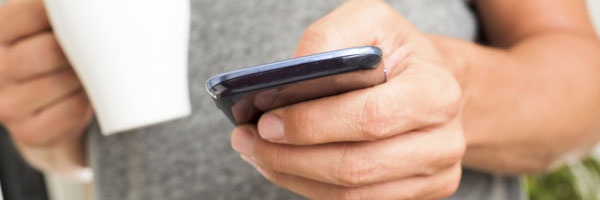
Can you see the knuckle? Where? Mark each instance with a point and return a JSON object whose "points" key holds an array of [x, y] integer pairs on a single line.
{"points": [[349, 177], [448, 189], [383, 8], [454, 152], [451, 185], [457, 154], [443, 95], [374, 118], [353, 169], [454, 100], [451, 102], [378, 6], [460, 146], [325, 30]]}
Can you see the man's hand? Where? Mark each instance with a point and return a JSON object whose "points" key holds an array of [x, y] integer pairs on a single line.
{"points": [[398, 140], [42, 103]]}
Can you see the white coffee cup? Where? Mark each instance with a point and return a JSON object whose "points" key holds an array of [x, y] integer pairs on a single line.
{"points": [[130, 55]]}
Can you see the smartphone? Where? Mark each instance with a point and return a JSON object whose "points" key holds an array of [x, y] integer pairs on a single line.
{"points": [[243, 95]]}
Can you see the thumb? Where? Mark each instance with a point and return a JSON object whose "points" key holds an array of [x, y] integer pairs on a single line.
{"points": [[356, 23]]}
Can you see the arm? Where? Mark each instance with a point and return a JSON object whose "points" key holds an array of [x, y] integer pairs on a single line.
{"points": [[534, 97], [398, 140], [525, 103]]}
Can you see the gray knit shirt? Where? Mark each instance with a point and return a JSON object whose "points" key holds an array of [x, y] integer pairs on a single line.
{"points": [[192, 158]]}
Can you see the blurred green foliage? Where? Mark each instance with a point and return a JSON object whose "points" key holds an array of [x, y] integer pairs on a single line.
{"points": [[570, 182]]}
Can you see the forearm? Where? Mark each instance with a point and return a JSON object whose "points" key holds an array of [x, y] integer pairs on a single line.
{"points": [[527, 106]]}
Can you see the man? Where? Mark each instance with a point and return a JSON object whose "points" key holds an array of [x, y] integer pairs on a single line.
{"points": [[517, 107]]}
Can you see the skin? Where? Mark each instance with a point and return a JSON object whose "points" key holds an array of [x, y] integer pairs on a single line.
{"points": [[517, 106], [528, 102], [382, 142], [533, 101], [42, 103]]}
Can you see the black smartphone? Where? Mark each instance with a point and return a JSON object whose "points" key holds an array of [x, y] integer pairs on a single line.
{"points": [[243, 95]]}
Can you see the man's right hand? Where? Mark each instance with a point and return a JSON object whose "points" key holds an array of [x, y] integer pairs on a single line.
{"points": [[42, 103]]}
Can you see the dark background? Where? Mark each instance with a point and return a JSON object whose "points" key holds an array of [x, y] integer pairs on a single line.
{"points": [[19, 181]]}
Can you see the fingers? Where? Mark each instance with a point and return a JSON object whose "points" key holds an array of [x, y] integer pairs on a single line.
{"points": [[398, 140], [352, 24], [436, 186], [33, 57], [398, 106], [19, 19], [52, 139], [361, 163], [67, 118], [35, 74], [18, 101], [41, 101], [418, 94]]}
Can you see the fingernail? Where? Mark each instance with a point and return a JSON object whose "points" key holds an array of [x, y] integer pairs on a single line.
{"points": [[270, 127], [242, 141]]}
